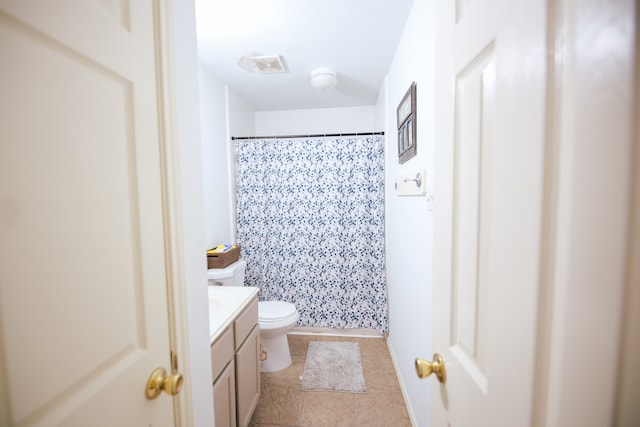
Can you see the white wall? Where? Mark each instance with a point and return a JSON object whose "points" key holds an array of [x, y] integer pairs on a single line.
{"points": [[409, 223], [222, 114], [241, 118], [214, 158], [316, 121], [240, 122]]}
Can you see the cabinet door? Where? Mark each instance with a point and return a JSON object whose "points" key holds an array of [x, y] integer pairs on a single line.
{"points": [[224, 397], [248, 377]]}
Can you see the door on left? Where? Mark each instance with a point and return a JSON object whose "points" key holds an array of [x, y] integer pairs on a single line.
{"points": [[83, 301]]}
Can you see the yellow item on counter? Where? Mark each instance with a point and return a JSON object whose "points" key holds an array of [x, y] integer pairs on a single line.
{"points": [[220, 249]]}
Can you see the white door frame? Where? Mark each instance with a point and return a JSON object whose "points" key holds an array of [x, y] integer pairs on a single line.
{"points": [[587, 209], [176, 24], [627, 410], [174, 250]]}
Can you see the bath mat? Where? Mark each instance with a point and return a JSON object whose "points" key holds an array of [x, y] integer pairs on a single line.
{"points": [[333, 366]]}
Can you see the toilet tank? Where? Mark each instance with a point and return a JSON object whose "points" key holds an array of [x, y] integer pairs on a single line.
{"points": [[232, 275]]}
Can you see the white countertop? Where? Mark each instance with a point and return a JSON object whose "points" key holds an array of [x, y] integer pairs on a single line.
{"points": [[225, 303]]}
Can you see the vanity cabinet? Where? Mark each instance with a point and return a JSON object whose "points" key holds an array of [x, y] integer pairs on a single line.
{"points": [[235, 363]]}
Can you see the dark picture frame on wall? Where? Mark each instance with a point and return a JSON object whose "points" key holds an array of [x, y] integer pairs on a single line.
{"points": [[406, 115]]}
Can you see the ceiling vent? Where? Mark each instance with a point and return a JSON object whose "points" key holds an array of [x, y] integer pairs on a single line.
{"points": [[270, 64]]}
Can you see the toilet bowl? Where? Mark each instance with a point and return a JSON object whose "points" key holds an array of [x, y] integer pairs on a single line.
{"points": [[275, 318]]}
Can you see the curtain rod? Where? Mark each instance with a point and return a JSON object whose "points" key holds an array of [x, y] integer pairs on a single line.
{"points": [[234, 138]]}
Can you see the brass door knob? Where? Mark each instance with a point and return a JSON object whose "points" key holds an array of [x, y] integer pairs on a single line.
{"points": [[424, 368], [159, 381]]}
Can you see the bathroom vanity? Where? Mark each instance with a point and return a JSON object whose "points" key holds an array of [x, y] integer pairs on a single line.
{"points": [[235, 353]]}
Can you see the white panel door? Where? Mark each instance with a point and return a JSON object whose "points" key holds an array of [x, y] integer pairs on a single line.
{"points": [[490, 154], [83, 306]]}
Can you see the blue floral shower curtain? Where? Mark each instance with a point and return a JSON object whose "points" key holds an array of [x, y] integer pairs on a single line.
{"points": [[310, 218]]}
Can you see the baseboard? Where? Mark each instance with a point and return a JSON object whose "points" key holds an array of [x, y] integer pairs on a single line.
{"points": [[402, 387], [333, 332]]}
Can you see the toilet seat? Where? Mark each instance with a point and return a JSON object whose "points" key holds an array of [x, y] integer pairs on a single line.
{"points": [[275, 311]]}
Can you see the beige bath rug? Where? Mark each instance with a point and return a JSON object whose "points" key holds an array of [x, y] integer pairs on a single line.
{"points": [[333, 366]]}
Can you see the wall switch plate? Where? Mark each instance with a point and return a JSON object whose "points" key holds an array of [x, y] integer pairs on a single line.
{"points": [[430, 199], [413, 183]]}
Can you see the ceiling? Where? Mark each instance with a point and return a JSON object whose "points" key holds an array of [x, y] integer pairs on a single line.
{"points": [[356, 38]]}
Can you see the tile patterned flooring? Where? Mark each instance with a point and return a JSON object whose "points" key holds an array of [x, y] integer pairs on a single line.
{"points": [[283, 403]]}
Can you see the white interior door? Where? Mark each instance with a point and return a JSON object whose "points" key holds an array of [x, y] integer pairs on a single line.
{"points": [[490, 160], [83, 306]]}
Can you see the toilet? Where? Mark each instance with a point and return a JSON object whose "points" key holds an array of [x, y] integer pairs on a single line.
{"points": [[275, 318]]}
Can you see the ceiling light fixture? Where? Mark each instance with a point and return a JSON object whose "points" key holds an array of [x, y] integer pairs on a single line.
{"points": [[323, 78]]}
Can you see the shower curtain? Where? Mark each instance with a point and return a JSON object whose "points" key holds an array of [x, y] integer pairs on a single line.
{"points": [[310, 219]]}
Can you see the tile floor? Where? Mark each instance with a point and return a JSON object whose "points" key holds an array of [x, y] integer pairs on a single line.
{"points": [[283, 403]]}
